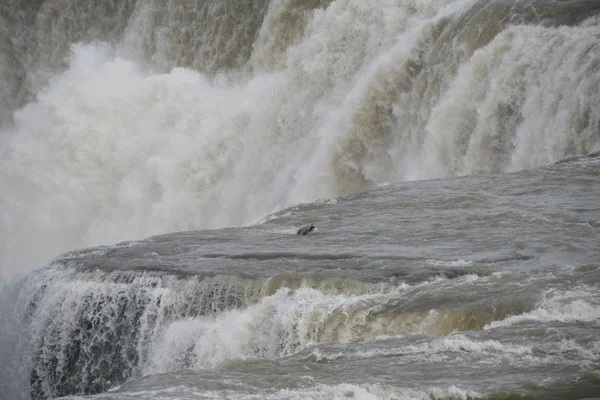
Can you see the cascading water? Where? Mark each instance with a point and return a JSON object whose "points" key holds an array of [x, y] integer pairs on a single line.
{"points": [[86, 331], [70, 329], [125, 119], [109, 143]]}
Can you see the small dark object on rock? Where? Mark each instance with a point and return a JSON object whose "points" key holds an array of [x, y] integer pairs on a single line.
{"points": [[305, 230]]}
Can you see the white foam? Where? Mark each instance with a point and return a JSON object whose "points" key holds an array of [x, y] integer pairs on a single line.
{"points": [[567, 347], [457, 343], [450, 263], [578, 305], [320, 356], [445, 346], [279, 325], [111, 152]]}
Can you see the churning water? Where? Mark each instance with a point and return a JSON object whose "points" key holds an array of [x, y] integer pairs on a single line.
{"points": [[452, 258]]}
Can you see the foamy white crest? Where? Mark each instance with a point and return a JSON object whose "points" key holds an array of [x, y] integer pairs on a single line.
{"points": [[277, 326], [461, 343], [320, 356], [568, 307], [452, 263], [589, 351], [454, 343]]}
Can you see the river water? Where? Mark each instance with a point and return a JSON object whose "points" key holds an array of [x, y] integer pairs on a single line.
{"points": [[157, 158], [474, 287]]}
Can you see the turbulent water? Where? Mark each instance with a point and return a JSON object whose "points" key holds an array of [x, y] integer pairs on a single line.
{"points": [[455, 257]]}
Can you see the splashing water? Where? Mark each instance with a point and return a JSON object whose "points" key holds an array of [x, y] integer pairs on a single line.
{"points": [[158, 118]]}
